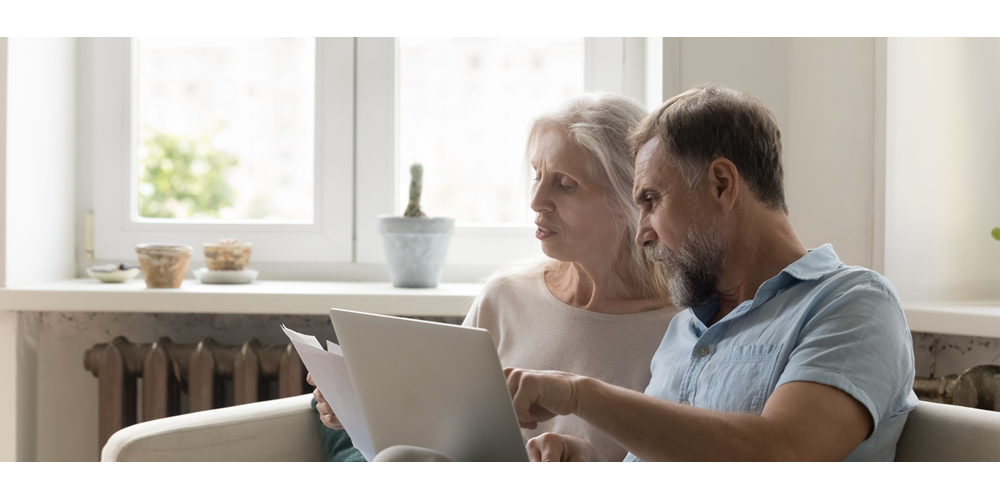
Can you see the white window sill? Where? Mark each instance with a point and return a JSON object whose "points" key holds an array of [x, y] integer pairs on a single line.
{"points": [[260, 297], [973, 318]]}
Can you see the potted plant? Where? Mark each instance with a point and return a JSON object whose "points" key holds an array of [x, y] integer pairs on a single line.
{"points": [[415, 245]]}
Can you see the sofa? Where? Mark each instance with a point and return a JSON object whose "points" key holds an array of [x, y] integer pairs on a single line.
{"points": [[287, 430]]}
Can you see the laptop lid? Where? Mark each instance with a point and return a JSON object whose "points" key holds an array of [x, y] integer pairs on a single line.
{"points": [[432, 385]]}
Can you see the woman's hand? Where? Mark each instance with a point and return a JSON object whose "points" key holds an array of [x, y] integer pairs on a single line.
{"points": [[326, 414], [561, 448]]}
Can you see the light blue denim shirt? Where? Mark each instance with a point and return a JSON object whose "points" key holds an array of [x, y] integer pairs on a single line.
{"points": [[818, 320]]}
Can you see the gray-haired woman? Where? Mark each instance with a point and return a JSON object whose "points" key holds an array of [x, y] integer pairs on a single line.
{"points": [[594, 305]]}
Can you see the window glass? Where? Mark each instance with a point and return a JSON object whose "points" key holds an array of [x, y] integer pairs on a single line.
{"points": [[466, 105], [225, 128]]}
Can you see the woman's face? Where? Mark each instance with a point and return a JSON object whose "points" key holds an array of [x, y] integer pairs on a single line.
{"points": [[572, 213]]}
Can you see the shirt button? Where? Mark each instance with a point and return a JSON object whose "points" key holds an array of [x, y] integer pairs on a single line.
{"points": [[703, 351], [685, 403], [692, 322]]}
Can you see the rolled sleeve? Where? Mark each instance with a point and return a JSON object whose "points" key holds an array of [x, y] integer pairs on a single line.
{"points": [[858, 342]]}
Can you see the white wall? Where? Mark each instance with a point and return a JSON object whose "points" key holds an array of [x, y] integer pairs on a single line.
{"points": [[822, 91], [41, 152], [943, 167], [3, 161], [37, 208], [8, 327], [829, 158]]}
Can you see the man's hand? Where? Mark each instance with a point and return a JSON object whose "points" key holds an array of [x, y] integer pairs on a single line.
{"points": [[551, 447], [540, 395], [326, 414]]}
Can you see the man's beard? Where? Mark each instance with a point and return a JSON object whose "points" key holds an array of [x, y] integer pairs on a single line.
{"points": [[692, 272]]}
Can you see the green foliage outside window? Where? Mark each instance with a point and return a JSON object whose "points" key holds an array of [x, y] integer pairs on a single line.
{"points": [[184, 177]]}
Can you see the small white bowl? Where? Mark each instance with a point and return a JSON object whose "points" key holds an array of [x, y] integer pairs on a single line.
{"points": [[210, 277], [116, 276]]}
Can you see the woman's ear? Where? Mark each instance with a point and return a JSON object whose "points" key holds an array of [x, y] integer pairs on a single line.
{"points": [[723, 183]]}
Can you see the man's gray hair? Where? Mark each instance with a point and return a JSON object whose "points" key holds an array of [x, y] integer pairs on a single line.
{"points": [[714, 121], [600, 124]]}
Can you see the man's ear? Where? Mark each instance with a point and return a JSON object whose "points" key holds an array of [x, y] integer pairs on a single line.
{"points": [[723, 183]]}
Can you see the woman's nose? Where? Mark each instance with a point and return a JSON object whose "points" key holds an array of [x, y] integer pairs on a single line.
{"points": [[540, 201]]}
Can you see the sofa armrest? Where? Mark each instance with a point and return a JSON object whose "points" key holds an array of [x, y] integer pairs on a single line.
{"points": [[271, 431], [947, 433]]}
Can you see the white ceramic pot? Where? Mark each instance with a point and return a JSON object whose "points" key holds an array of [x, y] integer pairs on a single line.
{"points": [[415, 248]]}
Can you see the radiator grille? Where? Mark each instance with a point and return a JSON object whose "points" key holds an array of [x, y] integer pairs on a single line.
{"points": [[142, 382]]}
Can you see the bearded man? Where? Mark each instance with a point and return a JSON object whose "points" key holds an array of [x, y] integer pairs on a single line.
{"points": [[782, 353]]}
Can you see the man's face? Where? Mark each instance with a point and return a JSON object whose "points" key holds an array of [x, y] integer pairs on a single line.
{"points": [[674, 228]]}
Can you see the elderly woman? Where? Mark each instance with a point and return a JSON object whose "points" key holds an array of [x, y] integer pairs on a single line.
{"points": [[594, 305]]}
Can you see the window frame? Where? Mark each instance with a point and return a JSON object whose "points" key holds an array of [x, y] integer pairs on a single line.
{"points": [[357, 132], [616, 65], [108, 66]]}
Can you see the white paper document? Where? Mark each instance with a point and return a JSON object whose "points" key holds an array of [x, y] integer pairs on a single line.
{"points": [[329, 371]]}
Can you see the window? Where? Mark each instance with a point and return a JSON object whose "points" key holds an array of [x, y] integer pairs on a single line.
{"points": [[315, 136], [465, 106], [225, 128], [277, 114]]}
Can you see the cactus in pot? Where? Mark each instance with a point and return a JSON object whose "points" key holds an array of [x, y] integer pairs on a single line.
{"points": [[416, 189], [415, 245]]}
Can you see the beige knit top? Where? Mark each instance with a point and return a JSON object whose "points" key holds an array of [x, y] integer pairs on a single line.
{"points": [[533, 329]]}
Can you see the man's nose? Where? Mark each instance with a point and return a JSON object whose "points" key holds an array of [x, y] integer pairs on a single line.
{"points": [[645, 235]]}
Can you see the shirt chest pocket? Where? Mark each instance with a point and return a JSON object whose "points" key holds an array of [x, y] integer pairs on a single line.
{"points": [[742, 380]]}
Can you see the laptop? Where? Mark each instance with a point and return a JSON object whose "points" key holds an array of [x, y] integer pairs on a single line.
{"points": [[432, 385]]}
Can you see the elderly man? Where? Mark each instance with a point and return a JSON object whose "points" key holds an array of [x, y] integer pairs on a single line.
{"points": [[782, 353]]}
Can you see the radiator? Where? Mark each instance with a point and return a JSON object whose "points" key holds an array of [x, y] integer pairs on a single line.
{"points": [[977, 387], [201, 371]]}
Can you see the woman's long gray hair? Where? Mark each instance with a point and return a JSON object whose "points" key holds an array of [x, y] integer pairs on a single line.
{"points": [[600, 123]]}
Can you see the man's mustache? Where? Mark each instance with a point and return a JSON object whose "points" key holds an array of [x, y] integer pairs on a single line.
{"points": [[657, 253]]}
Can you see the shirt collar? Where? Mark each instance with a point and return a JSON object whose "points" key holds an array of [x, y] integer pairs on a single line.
{"points": [[816, 263]]}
